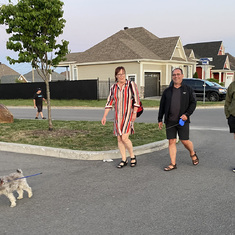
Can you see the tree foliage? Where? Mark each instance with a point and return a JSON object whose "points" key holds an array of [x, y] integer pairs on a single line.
{"points": [[195, 75], [34, 26]]}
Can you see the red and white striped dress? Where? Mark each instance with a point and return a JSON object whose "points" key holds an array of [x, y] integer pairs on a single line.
{"points": [[121, 98]]}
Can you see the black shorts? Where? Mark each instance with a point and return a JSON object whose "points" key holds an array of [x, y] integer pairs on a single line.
{"points": [[39, 107], [231, 123], [172, 129]]}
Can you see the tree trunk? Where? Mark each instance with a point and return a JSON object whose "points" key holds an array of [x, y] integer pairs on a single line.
{"points": [[49, 105]]}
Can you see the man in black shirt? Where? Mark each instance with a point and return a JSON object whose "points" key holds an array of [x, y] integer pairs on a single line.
{"points": [[38, 101], [178, 102]]}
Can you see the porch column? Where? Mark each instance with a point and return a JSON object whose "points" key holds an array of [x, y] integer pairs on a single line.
{"points": [[67, 73], [142, 82], [219, 77]]}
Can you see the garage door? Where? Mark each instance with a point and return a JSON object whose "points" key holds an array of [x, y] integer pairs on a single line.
{"points": [[152, 84]]}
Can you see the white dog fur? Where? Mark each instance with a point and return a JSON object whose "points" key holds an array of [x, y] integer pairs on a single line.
{"points": [[10, 183]]}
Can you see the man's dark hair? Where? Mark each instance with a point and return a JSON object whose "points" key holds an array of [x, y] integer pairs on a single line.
{"points": [[178, 69]]}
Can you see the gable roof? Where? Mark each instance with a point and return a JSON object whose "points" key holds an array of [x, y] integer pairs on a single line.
{"points": [[54, 77], [5, 70], [205, 49], [133, 43], [231, 60], [219, 61], [9, 78], [13, 79], [209, 49]]}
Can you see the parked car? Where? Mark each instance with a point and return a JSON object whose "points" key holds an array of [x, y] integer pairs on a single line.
{"points": [[212, 92], [218, 85]]}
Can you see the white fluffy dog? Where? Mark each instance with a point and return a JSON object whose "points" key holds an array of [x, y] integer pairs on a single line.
{"points": [[10, 183]]}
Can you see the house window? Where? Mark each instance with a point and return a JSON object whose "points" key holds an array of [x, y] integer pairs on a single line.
{"points": [[131, 77]]}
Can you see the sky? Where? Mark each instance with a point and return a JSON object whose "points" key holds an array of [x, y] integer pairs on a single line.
{"points": [[89, 22]]}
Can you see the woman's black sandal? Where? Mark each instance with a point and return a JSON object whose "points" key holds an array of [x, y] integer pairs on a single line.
{"points": [[195, 161], [122, 164], [133, 164], [170, 167]]}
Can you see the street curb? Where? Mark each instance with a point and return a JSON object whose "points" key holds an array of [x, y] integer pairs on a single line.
{"points": [[77, 154]]}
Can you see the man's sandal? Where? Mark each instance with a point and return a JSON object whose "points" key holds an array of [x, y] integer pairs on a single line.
{"points": [[195, 161], [133, 164], [122, 164], [170, 167]]}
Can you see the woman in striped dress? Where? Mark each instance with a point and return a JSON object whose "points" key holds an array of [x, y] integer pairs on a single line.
{"points": [[122, 94]]}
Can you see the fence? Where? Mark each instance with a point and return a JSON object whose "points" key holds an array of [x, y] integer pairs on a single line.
{"points": [[82, 89], [103, 88]]}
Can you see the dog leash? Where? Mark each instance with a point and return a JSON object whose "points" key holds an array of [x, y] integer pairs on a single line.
{"points": [[28, 176], [25, 177], [181, 123]]}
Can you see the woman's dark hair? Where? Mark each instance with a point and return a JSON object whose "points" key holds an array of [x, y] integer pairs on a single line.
{"points": [[117, 70]]}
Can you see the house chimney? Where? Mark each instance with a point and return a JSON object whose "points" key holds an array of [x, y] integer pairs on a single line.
{"points": [[125, 28]]}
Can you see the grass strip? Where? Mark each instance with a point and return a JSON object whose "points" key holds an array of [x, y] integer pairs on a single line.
{"points": [[93, 103], [76, 135]]}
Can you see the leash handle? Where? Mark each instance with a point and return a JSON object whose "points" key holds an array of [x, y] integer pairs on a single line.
{"points": [[181, 123]]}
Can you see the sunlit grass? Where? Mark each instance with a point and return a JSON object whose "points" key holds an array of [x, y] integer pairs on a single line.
{"points": [[76, 135], [93, 103]]}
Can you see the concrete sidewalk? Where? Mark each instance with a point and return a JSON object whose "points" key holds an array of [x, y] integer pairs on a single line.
{"points": [[77, 154]]}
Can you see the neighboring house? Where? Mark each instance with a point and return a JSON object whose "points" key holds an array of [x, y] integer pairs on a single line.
{"points": [[214, 62], [66, 74], [13, 79], [232, 62], [148, 60], [33, 76], [7, 71]]}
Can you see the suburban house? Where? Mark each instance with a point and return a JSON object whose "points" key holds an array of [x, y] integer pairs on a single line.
{"points": [[13, 79], [213, 62], [232, 62], [8, 74], [33, 76], [148, 60]]}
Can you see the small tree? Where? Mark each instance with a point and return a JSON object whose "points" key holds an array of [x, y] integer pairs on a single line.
{"points": [[195, 75], [33, 26]]}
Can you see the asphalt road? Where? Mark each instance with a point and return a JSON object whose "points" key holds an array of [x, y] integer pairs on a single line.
{"points": [[92, 197], [200, 116]]}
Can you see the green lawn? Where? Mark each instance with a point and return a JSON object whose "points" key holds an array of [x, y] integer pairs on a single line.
{"points": [[92, 103], [76, 135]]}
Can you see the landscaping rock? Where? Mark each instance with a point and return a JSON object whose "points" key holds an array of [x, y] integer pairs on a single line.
{"points": [[5, 115]]}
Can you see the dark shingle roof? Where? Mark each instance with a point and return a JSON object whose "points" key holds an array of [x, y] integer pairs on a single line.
{"points": [[5, 70], [231, 60], [219, 61], [205, 49], [209, 49], [9, 78], [37, 78], [128, 44]]}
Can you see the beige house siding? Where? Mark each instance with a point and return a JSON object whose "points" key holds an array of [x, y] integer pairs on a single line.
{"points": [[106, 71], [146, 57]]}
